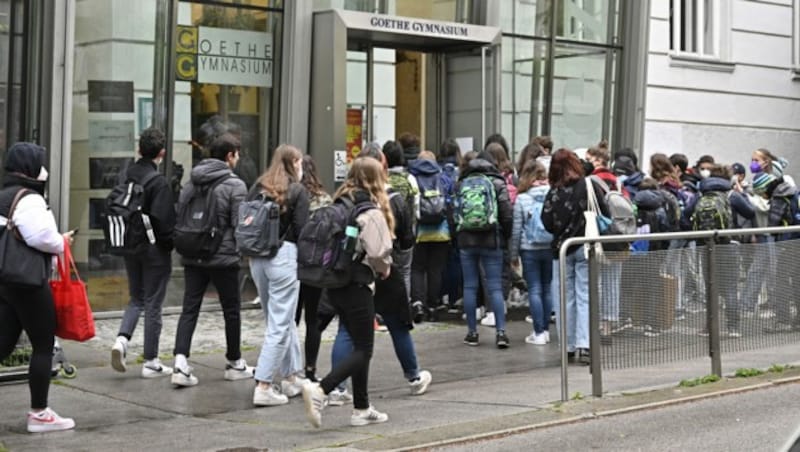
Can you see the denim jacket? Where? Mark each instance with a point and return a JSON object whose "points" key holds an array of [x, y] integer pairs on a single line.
{"points": [[525, 204]]}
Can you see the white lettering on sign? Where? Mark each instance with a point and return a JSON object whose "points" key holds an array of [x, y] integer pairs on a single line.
{"points": [[234, 57], [418, 26]]}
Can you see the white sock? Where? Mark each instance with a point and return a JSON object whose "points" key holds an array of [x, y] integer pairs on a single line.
{"points": [[180, 362], [236, 363], [123, 340]]}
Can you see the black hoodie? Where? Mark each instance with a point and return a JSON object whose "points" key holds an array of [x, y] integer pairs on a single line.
{"points": [[159, 203]]}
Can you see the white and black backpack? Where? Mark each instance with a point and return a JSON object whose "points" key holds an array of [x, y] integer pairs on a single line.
{"points": [[126, 227]]}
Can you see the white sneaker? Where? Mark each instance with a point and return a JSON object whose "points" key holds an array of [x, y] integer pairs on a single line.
{"points": [[154, 369], [536, 339], [238, 371], [315, 401], [339, 398], [293, 388], [420, 385], [488, 320], [368, 416], [183, 377], [118, 353], [546, 335], [48, 421], [529, 319], [268, 397]]}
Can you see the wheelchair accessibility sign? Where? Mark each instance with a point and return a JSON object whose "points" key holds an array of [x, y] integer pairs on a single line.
{"points": [[340, 166]]}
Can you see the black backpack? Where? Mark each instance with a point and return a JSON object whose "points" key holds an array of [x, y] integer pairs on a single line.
{"points": [[326, 246], [197, 234], [258, 231], [126, 227]]}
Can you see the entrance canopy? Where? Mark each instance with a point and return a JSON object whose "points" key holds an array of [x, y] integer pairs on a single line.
{"points": [[432, 36]]}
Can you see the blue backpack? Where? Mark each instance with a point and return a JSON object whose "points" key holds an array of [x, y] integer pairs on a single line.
{"points": [[432, 199], [532, 226]]}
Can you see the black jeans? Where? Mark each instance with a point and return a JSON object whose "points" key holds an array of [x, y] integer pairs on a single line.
{"points": [[226, 281], [30, 309], [426, 271], [356, 309], [309, 300], [148, 276]]}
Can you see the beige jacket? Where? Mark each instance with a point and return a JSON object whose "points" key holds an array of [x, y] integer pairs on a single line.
{"points": [[375, 240]]}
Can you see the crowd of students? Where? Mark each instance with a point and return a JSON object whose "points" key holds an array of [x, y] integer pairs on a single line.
{"points": [[432, 228]]}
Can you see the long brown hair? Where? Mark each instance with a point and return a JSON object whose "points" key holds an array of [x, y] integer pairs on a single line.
{"points": [[565, 168], [531, 151], [532, 171], [661, 168], [281, 172], [310, 178], [501, 160], [367, 174]]}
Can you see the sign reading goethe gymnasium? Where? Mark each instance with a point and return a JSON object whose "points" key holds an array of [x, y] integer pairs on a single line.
{"points": [[224, 56]]}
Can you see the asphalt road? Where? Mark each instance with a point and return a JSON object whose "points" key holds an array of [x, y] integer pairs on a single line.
{"points": [[761, 420]]}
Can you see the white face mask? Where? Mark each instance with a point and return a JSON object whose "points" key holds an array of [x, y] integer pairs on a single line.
{"points": [[42, 174], [158, 161], [704, 173]]}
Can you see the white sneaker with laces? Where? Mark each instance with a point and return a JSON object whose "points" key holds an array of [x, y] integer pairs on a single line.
{"points": [[536, 339], [48, 421], [293, 388], [238, 370], [154, 369], [118, 353], [184, 377], [488, 320], [268, 397], [529, 319], [368, 416], [339, 398], [420, 385], [315, 401]]}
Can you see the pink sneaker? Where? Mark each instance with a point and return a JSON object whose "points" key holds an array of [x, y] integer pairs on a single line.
{"points": [[48, 421]]}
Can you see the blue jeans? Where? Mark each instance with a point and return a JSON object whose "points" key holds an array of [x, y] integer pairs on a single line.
{"points": [[537, 268], [401, 339], [577, 301], [610, 275], [491, 259], [278, 287]]}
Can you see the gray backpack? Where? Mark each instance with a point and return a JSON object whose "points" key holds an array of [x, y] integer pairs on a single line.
{"points": [[258, 231]]}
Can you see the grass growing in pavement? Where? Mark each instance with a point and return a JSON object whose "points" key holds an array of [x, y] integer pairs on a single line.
{"points": [[577, 396], [698, 381], [778, 368], [748, 372], [3, 448]]}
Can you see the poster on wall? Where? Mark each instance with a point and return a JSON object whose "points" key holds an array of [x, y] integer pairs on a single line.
{"points": [[111, 135], [353, 134], [224, 56], [104, 172], [107, 96]]}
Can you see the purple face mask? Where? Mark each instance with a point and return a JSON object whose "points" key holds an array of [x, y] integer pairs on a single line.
{"points": [[755, 167]]}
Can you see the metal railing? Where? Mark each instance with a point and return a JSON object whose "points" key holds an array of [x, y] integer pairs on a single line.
{"points": [[692, 342]]}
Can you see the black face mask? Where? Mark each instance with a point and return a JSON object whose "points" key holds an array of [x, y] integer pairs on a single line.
{"points": [[17, 179]]}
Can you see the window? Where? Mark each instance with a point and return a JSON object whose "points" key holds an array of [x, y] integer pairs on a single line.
{"points": [[695, 27], [796, 36]]}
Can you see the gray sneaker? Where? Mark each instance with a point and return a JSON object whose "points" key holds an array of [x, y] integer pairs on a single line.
{"points": [[420, 385], [339, 398]]}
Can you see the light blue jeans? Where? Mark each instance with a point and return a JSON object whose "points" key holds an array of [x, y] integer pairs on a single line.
{"points": [[577, 301], [278, 287], [610, 275]]}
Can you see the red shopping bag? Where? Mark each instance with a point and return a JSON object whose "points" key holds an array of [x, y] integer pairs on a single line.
{"points": [[74, 318]]}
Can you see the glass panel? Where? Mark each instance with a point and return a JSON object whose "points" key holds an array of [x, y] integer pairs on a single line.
{"points": [[526, 17], [587, 20], [257, 3], [578, 96], [5, 30], [523, 88]]}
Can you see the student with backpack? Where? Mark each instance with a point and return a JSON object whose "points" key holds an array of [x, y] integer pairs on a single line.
{"points": [[449, 158], [403, 183], [433, 231], [563, 217], [714, 210], [370, 239], [531, 242], [484, 221], [207, 214], [275, 275], [146, 250]]}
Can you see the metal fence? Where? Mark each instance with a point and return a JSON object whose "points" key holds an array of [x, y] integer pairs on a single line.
{"points": [[706, 295]]}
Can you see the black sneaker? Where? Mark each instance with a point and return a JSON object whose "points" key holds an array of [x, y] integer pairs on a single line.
{"points": [[471, 338], [419, 311], [501, 340]]}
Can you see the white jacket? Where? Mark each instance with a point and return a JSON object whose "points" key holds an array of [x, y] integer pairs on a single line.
{"points": [[37, 225]]}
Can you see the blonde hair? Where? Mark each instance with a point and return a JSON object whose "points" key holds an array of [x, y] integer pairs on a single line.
{"points": [[281, 172], [426, 155], [367, 174]]}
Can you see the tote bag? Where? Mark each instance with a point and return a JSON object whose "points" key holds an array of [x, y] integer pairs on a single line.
{"points": [[596, 222], [74, 318]]}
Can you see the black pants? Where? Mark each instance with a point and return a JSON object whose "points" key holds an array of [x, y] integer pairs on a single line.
{"points": [[226, 281], [309, 300], [426, 271], [356, 309], [32, 310]]}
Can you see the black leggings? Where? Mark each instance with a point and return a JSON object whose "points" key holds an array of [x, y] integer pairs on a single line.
{"points": [[32, 310], [309, 300]]}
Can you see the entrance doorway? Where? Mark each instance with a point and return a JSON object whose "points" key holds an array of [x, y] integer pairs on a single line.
{"points": [[375, 77]]}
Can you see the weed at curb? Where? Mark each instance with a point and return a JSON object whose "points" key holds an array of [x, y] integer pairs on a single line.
{"points": [[577, 396], [748, 372], [778, 368], [3, 448], [698, 381]]}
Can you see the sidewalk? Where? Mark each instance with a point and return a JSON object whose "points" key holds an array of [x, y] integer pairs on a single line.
{"points": [[476, 391]]}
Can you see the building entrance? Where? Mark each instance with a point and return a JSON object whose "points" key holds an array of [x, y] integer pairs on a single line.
{"points": [[375, 77]]}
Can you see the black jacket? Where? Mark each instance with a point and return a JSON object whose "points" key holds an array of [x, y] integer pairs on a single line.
{"points": [[505, 213], [403, 223], [294, 214], [562, 213], [158, 201]]}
